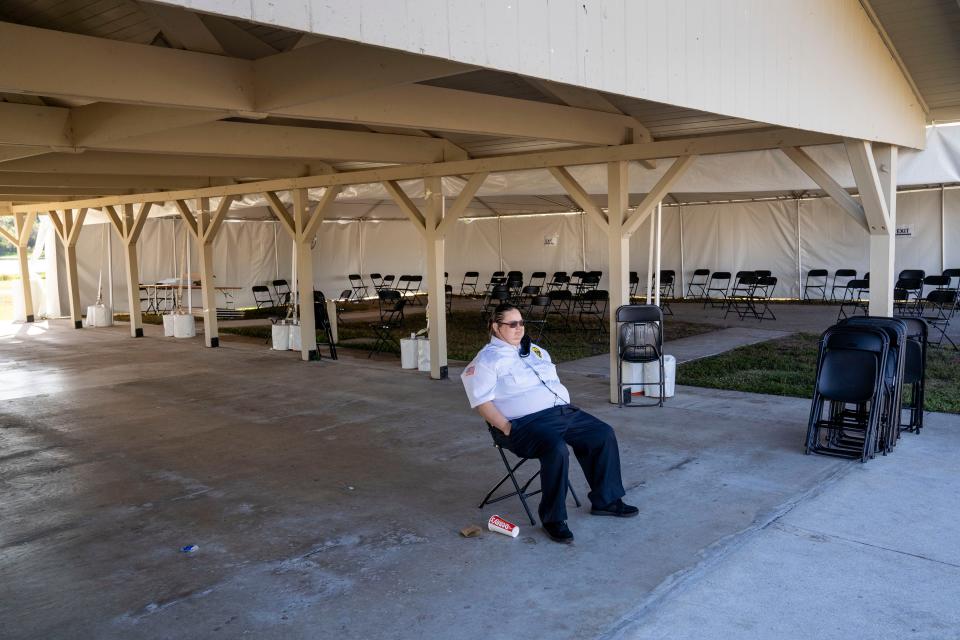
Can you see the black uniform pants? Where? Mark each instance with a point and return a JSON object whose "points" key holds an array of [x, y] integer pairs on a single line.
{"points": [[545, 435]]}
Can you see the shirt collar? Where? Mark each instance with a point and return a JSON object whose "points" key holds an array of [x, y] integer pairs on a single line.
{"points": [[503, 344]]}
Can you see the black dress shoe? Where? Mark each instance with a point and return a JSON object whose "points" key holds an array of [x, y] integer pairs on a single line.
{"points": [[558, 532], [617, 509]]}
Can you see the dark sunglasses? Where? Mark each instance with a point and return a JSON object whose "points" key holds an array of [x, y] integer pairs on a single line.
{"points": [[513, 324]]}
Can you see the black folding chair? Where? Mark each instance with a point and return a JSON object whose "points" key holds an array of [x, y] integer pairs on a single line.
{"points": [[358, 286], [667, 279], [915, 373], [526, 295], [938, 309], [261, 296], [592, 306], [815, 283], [282, 290], [561, 304], [322, 321], [391, 318], [762, 294], [497, 296], [853, 300], [639, 341], [845, 409], [536, 316], [413, 288], [741, 297], [499, 441], [538, 279], [892, 398], [697, 285], [388, 281], [847, 275], [719, 283], [634, 283], [376, 279], [497, 277], [559, 280], [470, 281]]}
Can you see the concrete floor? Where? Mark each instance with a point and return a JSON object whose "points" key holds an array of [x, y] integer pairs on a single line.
{"points": [[326, 498]]}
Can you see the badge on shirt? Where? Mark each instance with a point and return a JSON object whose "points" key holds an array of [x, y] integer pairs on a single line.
{"points": [[536, 350]]}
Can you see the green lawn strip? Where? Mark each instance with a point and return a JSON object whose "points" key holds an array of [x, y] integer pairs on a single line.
{"points": [[466, 335], [787, 367]]}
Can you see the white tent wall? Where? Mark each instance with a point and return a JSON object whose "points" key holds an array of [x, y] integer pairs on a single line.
{"points": [[922, 248], [473, 245], [389, 247], [525, 248], [951, 226]]}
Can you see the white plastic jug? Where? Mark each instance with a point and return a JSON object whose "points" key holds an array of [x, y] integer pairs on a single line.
{"points": [[184, 325], [408, 353], [632, 372], [423, 354], [281, 336], [651, 373], [168, 325], [294, 344]]}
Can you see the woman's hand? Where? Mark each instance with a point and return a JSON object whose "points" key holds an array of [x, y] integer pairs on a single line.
{"points": [[496, 419]]}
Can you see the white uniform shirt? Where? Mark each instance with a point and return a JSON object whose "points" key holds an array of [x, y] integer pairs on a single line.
{"points": [[517, 386]]}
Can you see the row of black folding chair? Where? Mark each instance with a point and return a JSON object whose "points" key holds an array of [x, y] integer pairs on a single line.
{"points": [[280, 297], [390, 305], [751, 296], [854, 298]]}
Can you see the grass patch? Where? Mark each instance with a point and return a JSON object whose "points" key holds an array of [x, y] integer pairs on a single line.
{"points": [[466, 335], [787, 367]]}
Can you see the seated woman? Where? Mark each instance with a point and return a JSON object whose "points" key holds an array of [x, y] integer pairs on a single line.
{"points": [[514, 385]]}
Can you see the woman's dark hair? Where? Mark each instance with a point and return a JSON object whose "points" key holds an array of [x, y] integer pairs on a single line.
{"points": [[498, 315]]}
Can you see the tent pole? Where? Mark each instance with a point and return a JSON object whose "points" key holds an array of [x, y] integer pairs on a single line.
{"points": [[656, 290], [500, 241], [799, 257], [650, 221], [683, 266], [583, 241], [943, 230]]}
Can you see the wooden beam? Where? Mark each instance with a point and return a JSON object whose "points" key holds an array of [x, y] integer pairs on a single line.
{"points": [[139, 221], [579, 195], [306, 75], [618, 254], [24, 225], [77, 226], [187, 217], [218, 217], [122, 164], [658, 193], [860, 153], [461, 203], [23, 124], [101, 122], [275, 141], [439, 109], [280, 211], [8, 236], [320, 211], [54, 216], [828, 184], [111, 213], [754, 141], [406, 204], [93, 181], [56, 63]]}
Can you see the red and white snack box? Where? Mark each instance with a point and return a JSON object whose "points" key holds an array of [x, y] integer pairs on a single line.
{"points": [[498, 524]]}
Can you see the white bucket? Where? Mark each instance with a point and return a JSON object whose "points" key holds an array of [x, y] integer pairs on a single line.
{"points": [[281, 336], [184, 325], [651, 373], [99, 315], [168, 325], [423, 354], [408, 353], [294, 343], [632, 372]]}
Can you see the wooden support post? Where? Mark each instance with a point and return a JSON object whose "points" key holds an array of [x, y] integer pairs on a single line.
{"points": [[208, 294], [308, 321], [436, 292], [877, 184], [68, 230], [24, 227], [128, 228], [619, 254]]}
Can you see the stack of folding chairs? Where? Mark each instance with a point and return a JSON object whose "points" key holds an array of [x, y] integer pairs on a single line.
{"points": [[863, 365]]}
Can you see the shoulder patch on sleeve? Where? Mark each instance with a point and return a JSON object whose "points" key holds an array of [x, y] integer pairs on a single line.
{"points": [[537, 352], [470, 370]]}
